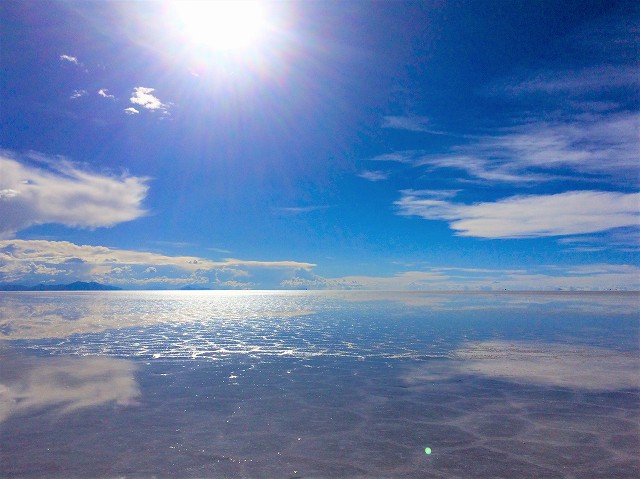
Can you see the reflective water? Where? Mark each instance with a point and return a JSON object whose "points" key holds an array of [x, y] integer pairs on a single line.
{"points": [[318, 384]]}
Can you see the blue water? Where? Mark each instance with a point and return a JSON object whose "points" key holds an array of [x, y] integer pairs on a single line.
{"points": [[319, 384]]}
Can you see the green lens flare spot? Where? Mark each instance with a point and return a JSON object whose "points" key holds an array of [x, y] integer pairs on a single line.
{"points": [[427, 450]]}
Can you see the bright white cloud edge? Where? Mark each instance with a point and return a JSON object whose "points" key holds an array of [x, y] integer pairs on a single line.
{"points": [[33, 261], [55, 190], [532, 216]]}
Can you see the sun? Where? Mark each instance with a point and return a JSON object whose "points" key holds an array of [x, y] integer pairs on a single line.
{"points": [[222, 25]]}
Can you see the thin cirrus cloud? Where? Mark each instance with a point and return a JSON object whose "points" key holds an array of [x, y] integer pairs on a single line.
{"points": [[536, 278], [374, 175], [57, 191], [563, 214], [409, 123], [295, 210], [625, 239], [542, 151], [590, 79], [78, 94]]}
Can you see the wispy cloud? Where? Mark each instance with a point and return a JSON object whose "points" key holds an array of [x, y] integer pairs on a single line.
{"points": [[54, 190], [534, 278], [78, 94], [410, 280], [409, 123], [406, 157], [570, 213], [131, 111], [143, 97], [219, 250], [70, 59], [295, 210], [104, 93], [374, 175], [591, 145], [591, 79], [622, 239]]}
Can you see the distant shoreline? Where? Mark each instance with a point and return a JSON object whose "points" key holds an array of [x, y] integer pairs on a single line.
{"points": [[93, 286]]}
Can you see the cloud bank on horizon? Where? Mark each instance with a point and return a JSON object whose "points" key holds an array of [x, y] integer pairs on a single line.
{"points": [[475, 167]]}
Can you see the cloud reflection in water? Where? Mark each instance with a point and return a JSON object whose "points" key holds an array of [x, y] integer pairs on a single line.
{"points": [[64, 384], [541, 364]]}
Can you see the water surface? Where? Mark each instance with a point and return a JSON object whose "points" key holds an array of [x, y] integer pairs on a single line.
{"points": [[319, 384]]}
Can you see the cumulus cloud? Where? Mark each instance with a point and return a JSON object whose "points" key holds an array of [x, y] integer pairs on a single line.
{"points": [[570, 213], [104, 93], [131, 111], [20, 260], [69, 58], [58, 191], [142, 96]]}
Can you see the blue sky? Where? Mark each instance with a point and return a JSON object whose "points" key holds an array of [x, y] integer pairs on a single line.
{"points": [[380, 145]]}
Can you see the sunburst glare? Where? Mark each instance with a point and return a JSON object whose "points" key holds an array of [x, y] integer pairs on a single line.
{"points": [[221, 25]]}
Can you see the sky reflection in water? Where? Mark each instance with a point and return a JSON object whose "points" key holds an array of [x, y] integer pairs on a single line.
{"points": [[269, 384]]}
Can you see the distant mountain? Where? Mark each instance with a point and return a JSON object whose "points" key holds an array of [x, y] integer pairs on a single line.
{"points": [[76, 286]]}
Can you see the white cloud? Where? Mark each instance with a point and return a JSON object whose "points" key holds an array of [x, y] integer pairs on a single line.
{"points": [[535, 278], [131, 111], [34, 261], [591, 79], [570, 213], [78, 94], [20, 260], [409, 280], [433, 194], [623, 239], [142, 96], [374, 175], [69, 58], [301, 209], [410, 123], [591, 145], [104, 93], [406, 157], [8, 193], [57, 191]]}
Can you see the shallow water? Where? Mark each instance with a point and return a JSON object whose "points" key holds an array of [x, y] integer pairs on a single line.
{"points": [[318, 384]]}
